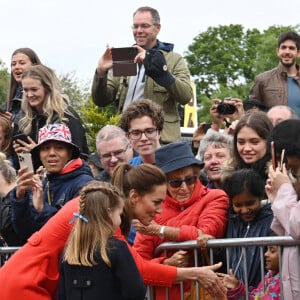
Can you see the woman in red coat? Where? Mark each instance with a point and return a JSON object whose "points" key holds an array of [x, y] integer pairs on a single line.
{"points": [[33, 271], [190, 211]]}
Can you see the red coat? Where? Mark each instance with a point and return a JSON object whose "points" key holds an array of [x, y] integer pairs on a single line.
{"points": [[32, 272], [206, 210]]}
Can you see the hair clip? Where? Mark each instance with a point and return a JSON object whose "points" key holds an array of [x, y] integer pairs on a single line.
{"points": [[80, 216]]}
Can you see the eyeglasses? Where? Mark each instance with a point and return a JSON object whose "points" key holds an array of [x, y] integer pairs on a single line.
{"points": [[176, 183], [137, 134], [118, 154], [143, 26]]}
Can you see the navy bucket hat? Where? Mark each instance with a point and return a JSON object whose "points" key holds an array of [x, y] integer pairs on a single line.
{"points": [[175, 156]]}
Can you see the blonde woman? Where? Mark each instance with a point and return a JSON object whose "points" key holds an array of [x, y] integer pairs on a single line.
{"points": [[44, 104]]}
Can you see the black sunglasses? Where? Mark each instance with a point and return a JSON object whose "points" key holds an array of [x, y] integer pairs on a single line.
{"points": [[176, 183]]}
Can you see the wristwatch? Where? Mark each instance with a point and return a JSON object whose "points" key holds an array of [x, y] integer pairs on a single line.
{"points": [[162, 232]]}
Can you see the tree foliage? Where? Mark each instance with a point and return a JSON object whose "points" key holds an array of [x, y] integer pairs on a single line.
{"points": [[92, 116], [4, 83], [224, 61]]}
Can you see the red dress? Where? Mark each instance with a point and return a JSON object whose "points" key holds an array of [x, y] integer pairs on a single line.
{"points": [[32, 272]]}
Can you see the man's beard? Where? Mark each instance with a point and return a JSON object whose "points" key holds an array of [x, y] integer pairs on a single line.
{"points": [[287, 65]]}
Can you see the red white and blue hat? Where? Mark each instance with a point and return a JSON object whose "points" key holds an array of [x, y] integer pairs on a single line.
{"points": [[55, 132]]}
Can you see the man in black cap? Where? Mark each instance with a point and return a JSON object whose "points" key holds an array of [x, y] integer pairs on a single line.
{"points": [[162, 75]]}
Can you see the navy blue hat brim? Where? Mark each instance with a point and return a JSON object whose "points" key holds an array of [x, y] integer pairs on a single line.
{"points": [[175, 156], [182, 163]]}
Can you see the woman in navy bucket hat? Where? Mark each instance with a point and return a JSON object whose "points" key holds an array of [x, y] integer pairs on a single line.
{"points": [[190, 211], [175, 156]]}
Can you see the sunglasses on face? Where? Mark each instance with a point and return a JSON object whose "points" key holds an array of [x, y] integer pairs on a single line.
{"points": [[176, 183]]}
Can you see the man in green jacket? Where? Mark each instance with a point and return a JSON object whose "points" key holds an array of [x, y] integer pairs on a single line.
{"points": [[162, 75]]}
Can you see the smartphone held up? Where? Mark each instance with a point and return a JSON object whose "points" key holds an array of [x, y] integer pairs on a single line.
{"points": [[25, 160]]}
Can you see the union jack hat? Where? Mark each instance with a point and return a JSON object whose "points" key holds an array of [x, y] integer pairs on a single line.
{"points": [[56, 132]]}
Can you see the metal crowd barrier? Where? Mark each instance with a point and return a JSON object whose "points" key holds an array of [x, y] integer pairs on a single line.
{"points": [[260, 242], [6, 253]]}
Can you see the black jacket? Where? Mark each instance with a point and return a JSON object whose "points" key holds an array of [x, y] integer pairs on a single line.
{"points": [[119, 282], [6, 225], [237, 228]]}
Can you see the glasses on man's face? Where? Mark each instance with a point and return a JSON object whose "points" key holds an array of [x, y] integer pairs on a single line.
{"points": [[142, 26], [176, 183], [118, 154], [137, 134]]}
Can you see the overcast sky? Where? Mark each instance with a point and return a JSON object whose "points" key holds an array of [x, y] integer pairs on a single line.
{"points": [[71, 35]]}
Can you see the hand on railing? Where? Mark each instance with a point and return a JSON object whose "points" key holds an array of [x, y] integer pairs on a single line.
{"points": [[203, 238], [178, 259]]}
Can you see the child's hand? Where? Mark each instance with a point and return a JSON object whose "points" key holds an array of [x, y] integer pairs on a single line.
{"points": [[229, 280]]}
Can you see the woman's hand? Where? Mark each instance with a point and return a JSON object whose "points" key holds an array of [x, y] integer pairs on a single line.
{"points": [[203, 238], [152, 229], [210, 280], [276, 179], [23, 147], [178, 259], [7, 115]]}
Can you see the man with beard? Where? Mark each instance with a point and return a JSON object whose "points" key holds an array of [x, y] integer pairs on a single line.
{"points": [[281, 86]]}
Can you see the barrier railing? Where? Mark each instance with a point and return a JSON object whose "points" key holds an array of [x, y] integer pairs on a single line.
{"points": [[261, 242], [6, 252]]}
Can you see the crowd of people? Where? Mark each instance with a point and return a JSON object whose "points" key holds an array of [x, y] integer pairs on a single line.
{"points": [[88, 223]]}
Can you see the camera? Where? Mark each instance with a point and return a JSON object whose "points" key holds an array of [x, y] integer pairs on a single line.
{"points": [[224, 108]]}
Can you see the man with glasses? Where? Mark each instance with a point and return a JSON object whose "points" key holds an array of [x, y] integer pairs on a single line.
{"points": [[113, 147], [162, 75], [143, 123]]}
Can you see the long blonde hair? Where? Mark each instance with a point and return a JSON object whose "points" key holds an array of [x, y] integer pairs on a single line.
{"points": [[53, 103], [92, 231]]}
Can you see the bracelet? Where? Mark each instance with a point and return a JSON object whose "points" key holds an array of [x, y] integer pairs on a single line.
{"points": [[162, 232]]}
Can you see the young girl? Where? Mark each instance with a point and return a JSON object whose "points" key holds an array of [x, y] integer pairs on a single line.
{"points": [[96, 265], [248, 217], [236, 288]]}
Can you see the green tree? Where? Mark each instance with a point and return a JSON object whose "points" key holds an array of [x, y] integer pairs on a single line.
{"points": [[4, 83], [92, 116]]}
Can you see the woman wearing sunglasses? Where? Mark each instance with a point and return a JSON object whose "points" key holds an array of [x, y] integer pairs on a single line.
{"points": [[190, 211]]}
